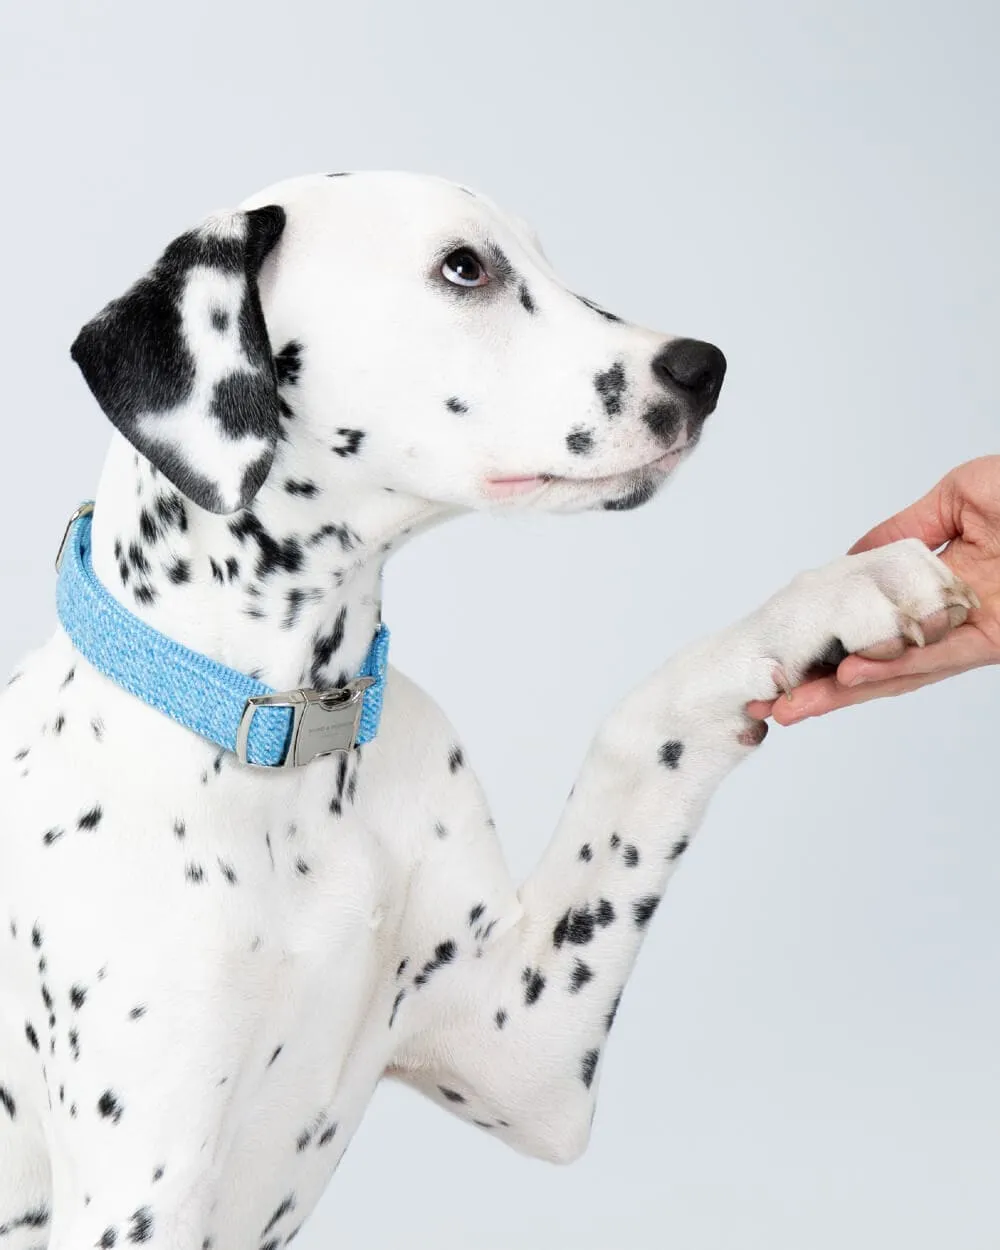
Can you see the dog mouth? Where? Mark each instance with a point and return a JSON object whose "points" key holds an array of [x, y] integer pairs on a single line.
{"points": [[613, 485]]}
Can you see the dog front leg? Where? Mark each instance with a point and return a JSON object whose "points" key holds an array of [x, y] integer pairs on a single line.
{"points": [[512, 1039]]}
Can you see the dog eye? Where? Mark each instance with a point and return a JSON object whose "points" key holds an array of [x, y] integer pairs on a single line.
{"points": [[464, 268]]}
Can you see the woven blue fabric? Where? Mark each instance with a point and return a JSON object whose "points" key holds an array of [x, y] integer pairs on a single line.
{"points": [[189, 687]]}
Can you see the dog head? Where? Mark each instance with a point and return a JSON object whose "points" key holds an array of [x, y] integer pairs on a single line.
{"points": [[398, 330]]}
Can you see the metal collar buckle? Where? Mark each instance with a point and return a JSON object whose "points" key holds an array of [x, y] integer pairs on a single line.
{"points": [[85, 509], [323, 721]]}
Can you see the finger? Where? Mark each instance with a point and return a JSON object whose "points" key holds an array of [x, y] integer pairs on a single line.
{"points": [[759, 709], [930, 519], [932, 629], [964, 648], [827, 695]]}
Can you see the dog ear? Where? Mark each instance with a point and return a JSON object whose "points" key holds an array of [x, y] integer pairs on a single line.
{"points": [[182, 365]]}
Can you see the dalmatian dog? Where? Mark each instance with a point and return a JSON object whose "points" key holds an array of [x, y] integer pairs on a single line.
{"points": [[205, 967]]}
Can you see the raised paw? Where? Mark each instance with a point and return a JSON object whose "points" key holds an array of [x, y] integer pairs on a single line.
{"points": [[875, 605]]}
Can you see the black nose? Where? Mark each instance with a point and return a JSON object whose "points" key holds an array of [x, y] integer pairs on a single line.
{"points": [[693, 367]]}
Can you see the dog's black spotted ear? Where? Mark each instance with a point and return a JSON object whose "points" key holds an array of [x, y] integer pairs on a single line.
{"points": [[182, 364]]}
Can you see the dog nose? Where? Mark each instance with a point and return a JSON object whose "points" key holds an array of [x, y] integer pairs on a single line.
{"points": [[694, 368]]}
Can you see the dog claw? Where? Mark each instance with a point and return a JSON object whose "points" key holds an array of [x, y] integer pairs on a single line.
{"points": [[910, 629], [958, 614], [780, 679], [962, 595]]}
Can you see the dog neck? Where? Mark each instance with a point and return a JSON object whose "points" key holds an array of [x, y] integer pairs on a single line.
{"points": [[288, 591]]}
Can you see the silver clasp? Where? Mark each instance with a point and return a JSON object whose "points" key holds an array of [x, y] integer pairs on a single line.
{"points": [[85, 509], [323, 721]]}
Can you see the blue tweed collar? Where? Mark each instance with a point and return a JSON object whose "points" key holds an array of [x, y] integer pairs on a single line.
{"points": [[261, 726]]}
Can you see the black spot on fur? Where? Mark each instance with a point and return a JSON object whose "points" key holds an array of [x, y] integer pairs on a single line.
{"points": [[137, 558], [580, 441], [31, 1035], [664, 419], [350, 443], [500, 1018], [451, 1094], [304, 489], [273, 556], [171, 512], [149, 530], [534, 983], [141, 1226], [284, 1207], [586, 853], [288, 363], [179, 572], [581, 974], [577, 925], [670, 753], [640, 492], [609, 1018], [454, 404], [444, 953], [524, 295], [678, 849], [610, 386], [588, 1067], [631, 856], [455, 759], [325, 646], [643, 909], [7, 1102], [344, 535], [109, 1107], [90, 819]]}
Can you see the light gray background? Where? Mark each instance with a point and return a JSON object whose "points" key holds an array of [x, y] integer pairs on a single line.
{"points": [[809, 1054]]}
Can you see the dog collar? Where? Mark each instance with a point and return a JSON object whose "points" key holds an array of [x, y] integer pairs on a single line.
{"points": [[262, 727]]}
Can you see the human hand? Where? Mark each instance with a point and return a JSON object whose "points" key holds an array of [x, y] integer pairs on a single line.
{"points": [[963, 511]]}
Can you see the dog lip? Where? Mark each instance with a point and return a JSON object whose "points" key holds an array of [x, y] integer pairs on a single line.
{"points": [[521, 484]]}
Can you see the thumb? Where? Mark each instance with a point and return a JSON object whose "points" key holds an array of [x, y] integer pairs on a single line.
{"points": [[930, 519]]}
